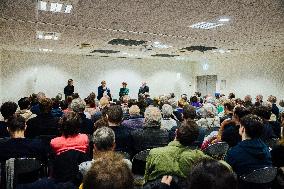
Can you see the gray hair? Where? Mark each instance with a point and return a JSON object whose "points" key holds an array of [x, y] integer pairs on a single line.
{"points": [[167, 110], [104, 138], [134, 110], [78, 105], [153, 117]]}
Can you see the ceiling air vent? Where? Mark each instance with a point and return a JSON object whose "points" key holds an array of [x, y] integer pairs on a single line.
{"points": [[104, 51], [164, 55], [126, 42], [199, 48]]}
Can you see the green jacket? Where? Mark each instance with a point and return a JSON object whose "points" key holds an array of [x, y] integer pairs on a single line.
{"points": [[174, 159], [123, 92]]}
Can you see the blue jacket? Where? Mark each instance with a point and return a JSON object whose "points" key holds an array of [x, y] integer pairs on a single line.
{"points": [[101, 92], [249, 155]]}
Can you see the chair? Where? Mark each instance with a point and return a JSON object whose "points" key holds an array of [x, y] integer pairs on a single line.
{"points": [[22, 170], [138, 166], [217, 150], [259, 178]]}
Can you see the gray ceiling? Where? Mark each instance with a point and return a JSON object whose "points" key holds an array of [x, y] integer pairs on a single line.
{"points": [[256, 26]]}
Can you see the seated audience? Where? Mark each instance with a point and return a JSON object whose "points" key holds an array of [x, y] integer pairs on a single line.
{"points": [[44, 123], [209, 174], [8, 110], [56, 110], [36, 98], [248, 101], [123, 138], [135, 120], [194, 102], [269, 129], [251, 153], [86, 125], [109, 172], [104, 143], [176, 158], [18, 146], [24, 105], [228, 111], [151, 135], [71, 138], [91, 107], [167, 122]]}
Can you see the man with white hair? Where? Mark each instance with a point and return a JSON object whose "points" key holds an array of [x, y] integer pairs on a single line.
{"points": [[104, 142], [168, 122], [151, 136]]}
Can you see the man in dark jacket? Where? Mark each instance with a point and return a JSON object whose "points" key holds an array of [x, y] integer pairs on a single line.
{"points": [[123, 138], [69, 89], [151, 136], [44, 123], [251, 153], [7, 109]]}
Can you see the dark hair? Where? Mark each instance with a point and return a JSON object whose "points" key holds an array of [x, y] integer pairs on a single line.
{"points": [[24, 103], [231, 95], [189, 112], [115, 114], [70, 124], [253, 125], [55, 103], [263, 111], [241, 111], [75, 95], [109, 171], [193, 99], [45, 105], [63, 104], [229, 105], [8, 109], [211, 174], [16, 123], [187, 133]]}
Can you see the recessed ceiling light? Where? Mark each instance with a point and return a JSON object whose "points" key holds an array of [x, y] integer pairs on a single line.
{"points": [[68, 8], [205, 25], [224, 20], [45, 50], [42, 5], [47, 35], [55, 7]]}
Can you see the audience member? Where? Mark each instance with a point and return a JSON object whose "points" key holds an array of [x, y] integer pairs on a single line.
{"points": [[251, 153], [24, 105], [176, 158], [71, 138], [56, 110], [18, 146], [151, 135], [135, 120], [44, 123], [104, 143], [109, 172], [35, 109], [258, 100], [86, 125], [277, 153], [248, 101], [122, 134], [167, 122], [8, 110], [228, 111]]}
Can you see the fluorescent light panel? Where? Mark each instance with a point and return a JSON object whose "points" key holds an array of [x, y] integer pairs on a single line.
{"points": [[47, 35], [54, 7], [45, 50], [206, 25]]}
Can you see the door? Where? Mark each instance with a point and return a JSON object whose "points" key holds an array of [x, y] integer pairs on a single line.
{"points": [[206, 84]]}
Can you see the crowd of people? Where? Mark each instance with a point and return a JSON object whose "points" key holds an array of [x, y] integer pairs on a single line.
{"points": [[84, 141]]}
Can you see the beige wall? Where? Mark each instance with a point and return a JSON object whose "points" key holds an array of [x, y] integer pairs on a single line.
{"points": [[248, 74], [26, 73]]}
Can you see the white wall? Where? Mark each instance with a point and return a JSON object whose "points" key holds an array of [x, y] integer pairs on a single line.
{"points": [[248, 74], [26, 73]]}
